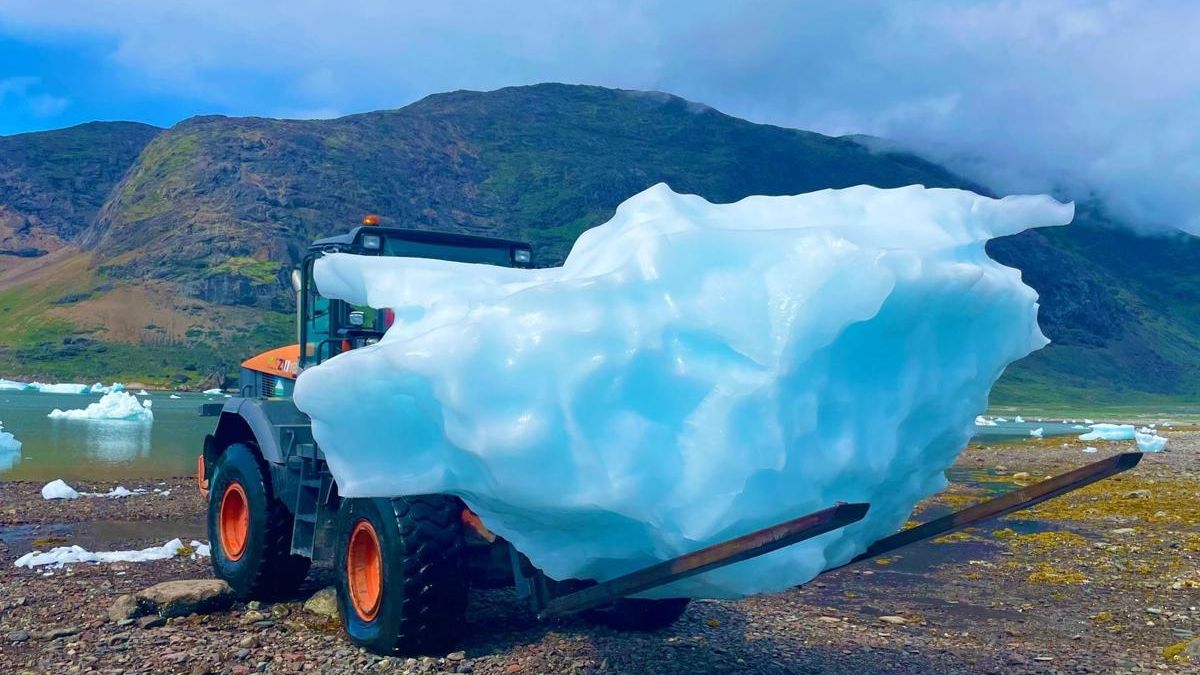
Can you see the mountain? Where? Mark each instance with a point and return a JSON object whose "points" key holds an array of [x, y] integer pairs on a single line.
{"points": [[182, 269], [53, 183]]}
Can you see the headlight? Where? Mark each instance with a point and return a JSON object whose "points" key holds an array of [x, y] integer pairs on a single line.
{"points": [[372, 242], [522, 256]]}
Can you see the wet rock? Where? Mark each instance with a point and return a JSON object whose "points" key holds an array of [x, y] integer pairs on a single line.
{"points": [[17, 636], [323, 603], [183, 597], [252, 616], [152, 621], [456, 656], [1021, 475], [894, 620], [56, 633], [1122, 531], [1192, 651], [123, 608], [1138, 494]]}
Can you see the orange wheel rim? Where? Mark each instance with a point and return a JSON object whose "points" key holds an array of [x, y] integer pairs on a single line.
{"points": [[234, 521], [364, 570]]}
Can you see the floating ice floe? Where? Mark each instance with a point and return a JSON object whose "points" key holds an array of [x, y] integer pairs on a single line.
{"points": [[1019, 420], [693, 372], [143, 392], [981, 421], [999, 420], [1037, 433], [174, 396], [60, 388], [212, 392], [1089, 422], [69, 555], [1148, 441], [99, 388], [117, 405], [12, 385], [10, 449], [1109, 432], [8, 442]]}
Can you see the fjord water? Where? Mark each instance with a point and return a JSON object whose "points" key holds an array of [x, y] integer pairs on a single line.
{"points": [[104, 450]]}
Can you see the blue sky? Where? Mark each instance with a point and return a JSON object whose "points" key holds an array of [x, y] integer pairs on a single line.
{"points": [[1072, 96]]}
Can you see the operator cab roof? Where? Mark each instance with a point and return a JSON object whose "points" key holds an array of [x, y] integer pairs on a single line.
{"points": [[402, 242]]}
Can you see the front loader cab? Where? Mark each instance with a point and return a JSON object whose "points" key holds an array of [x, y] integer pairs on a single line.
{"points": [[327, 326]]}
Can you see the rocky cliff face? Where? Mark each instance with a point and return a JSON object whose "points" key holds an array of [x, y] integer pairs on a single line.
{"points": [[221, 207], [53, 183]]}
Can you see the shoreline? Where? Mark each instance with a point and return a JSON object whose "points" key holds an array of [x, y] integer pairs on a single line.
{"points": [[1095, 581]]}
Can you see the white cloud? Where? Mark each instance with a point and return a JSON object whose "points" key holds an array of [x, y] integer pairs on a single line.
{"points": [[22, 91], [1028, 95]]}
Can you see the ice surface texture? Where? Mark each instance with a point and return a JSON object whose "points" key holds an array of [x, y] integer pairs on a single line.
{"points": [[1109, 432], [693, 372], [115, 405]]}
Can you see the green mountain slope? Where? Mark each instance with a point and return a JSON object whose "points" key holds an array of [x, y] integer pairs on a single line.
{"points": [[213, 211], [53, 183]]}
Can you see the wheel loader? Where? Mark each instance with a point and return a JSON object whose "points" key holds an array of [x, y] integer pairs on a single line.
{"points": [[404, 564]]}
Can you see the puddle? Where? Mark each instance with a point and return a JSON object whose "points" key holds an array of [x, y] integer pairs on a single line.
{"points": [[101, 535]]}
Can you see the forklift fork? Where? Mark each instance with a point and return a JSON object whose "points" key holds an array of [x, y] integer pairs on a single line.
{"points": [[835, 517]]}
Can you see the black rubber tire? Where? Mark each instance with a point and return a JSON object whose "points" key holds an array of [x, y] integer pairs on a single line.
{"points": [[267, 570], [425, 579], [638, 614]]}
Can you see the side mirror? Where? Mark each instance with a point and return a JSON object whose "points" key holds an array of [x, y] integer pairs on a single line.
{"points": [[296, 279]]}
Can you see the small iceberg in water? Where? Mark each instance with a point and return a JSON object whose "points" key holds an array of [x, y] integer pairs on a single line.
{"points": [[117, 405]]}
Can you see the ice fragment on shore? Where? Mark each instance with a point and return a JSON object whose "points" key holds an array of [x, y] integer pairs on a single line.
{"points": [[1037, 433], [68, 555], [1150, 442], [58, 489]]}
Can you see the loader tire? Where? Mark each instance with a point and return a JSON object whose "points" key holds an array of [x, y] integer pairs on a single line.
{"points": [[402, 580], [250, 530], [638, 614]]}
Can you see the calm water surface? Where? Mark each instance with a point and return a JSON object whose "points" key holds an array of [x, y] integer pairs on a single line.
{"points": [[101, 449], [123, 450]]}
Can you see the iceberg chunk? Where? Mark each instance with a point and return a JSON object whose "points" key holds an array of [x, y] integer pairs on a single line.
{"points": [[693, 372], [1019, 420], [58, 489], [1109, 432], [8, 442], [1150, 442], [1038, 432], [61, 388], [117, 405]]}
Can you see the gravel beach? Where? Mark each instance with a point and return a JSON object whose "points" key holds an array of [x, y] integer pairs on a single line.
{"points": [[1105, 580]]}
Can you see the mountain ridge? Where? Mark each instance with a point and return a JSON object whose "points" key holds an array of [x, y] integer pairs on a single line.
{"points": [[211, 213]]}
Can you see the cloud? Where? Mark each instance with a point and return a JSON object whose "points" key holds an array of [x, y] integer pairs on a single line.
{"points": [[22, 91], [1072, 96]]}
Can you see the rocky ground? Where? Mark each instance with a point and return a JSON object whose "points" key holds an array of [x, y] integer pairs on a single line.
{"points": [[1104, 580]]}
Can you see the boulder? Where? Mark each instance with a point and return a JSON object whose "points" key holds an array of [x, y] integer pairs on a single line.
{"points": [[180, 598], [124, 607], [323, 603]]}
